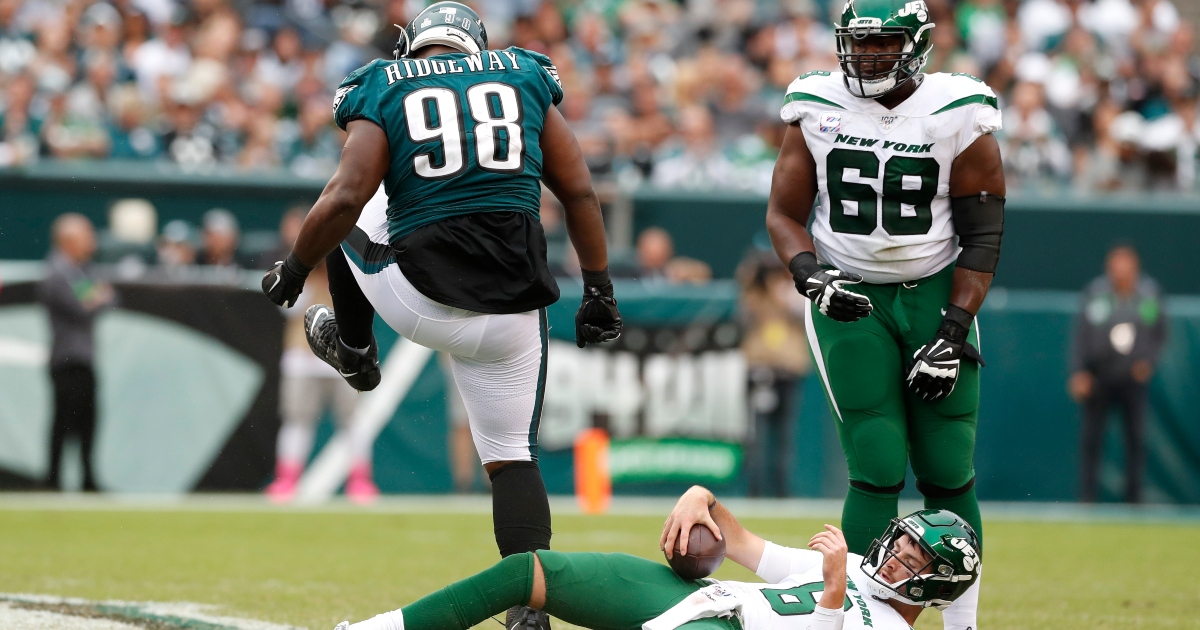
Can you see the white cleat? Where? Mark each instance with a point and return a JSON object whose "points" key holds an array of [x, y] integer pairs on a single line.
{"points": [[342, 626]]}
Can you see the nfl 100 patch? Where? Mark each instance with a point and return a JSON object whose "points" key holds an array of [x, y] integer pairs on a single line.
{"points": [[830, 122]]}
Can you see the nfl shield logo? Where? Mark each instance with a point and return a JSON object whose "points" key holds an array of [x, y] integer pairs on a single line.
{"points": [[830, 122]]}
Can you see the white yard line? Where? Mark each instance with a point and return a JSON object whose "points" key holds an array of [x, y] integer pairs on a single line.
{"points": [[182, 614]]}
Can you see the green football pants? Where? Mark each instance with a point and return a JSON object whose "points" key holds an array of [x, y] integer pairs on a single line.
{"points": [[616, 591], [604, 591], [882, 425]]}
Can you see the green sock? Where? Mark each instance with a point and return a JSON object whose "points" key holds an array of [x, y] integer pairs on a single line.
{"points": [[864, 517], [965, 505], [468, 602]]}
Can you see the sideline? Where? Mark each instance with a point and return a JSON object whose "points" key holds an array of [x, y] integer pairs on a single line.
{"points": [[566, 506]]}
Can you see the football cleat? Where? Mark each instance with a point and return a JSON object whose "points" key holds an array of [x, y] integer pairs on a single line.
{"points": [[526, 618], [360, 371], [345, 625]]}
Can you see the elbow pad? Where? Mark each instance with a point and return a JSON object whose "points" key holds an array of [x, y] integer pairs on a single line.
{"points": [[979, 223], [826, 619]]}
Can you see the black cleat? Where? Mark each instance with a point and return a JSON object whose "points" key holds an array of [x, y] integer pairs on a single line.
{"points": [[320, 328], [526, 618]]}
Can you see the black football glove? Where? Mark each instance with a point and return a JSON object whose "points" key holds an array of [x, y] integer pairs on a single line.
{"points": [[597, 319], [825, 287], [935, 366], [283, 284]]}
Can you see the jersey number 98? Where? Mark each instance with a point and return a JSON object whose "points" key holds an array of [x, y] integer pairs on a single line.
{"points": [[907, 181], [433, 113]]}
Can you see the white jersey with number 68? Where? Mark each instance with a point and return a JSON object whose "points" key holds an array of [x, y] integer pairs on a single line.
{"points": [[883, 174]]}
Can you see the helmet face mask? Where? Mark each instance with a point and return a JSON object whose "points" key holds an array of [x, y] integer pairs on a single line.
{"points": [[862, 24], [446, 24], [953, 565]]}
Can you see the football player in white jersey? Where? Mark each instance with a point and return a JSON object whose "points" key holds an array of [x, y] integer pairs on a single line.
{"points": [[909, 209], [926, 559]]}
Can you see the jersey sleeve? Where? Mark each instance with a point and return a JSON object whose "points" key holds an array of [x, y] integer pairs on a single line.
{"points": [[548, 74], [778, 562], [357, 98], [976, 108], [808, 90]]}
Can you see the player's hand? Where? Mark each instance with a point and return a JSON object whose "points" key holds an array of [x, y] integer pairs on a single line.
{"points": [[827, 289], [935, 366], [597, 319], [832, 545], [690, 510], [283, 283]]}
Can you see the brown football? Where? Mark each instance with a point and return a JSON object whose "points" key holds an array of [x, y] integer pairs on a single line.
{"points": [[705, 554]]}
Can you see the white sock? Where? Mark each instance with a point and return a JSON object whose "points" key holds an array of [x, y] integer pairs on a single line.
{"points": [[393, 620], [962, 614]]}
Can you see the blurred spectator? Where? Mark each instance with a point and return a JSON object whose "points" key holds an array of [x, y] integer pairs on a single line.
{"points": [[654, 250], [308, 387], [1119, 336], [220, 239], [176, 246], [657, 261], [247, 85], [699, 164], [777, 361], [289, 231], [73, 298], [1032, 146]]}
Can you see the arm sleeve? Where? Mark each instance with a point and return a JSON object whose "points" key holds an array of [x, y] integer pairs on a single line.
{"points": [[358, 98], [778, 562], [549, 76]]}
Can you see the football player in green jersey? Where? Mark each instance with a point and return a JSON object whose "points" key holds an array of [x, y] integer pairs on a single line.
{"points": [[449, 250], [909, 210], [929, 558]]}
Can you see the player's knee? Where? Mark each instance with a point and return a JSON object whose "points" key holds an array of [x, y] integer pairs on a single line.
{"points": [[934, 491], [871, 488]]}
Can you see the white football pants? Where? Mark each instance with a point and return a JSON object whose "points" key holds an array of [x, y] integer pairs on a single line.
{"points": [[498, 361]]}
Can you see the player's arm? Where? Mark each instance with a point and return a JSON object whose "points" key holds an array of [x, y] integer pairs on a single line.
{"points": [[977, 191], [793, 190], [566, 174], [365, 160]]}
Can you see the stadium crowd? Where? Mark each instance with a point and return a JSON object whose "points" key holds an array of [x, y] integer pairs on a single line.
{"points": [[1097, 93]]}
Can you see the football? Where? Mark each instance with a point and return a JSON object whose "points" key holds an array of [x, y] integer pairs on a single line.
{"points": [[705, 554]]}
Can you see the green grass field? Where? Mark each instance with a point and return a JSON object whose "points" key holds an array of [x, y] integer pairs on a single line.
{"points": [[313, 569]]}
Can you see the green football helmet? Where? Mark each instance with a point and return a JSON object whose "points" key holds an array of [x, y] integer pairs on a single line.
{"points": [[447, 23], [954, 562], [861, 19]]}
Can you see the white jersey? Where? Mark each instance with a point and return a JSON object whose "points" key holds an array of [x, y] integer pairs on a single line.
{"points": [[883, 174], [795, 586]]}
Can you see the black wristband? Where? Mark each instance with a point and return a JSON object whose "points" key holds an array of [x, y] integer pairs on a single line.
{"points": [[596, 278], [956, 323], [804, 265], [294, 268]]}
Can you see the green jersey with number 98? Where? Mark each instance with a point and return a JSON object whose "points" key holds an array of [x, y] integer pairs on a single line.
{"points": [[463, 130], [883, 207]]}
